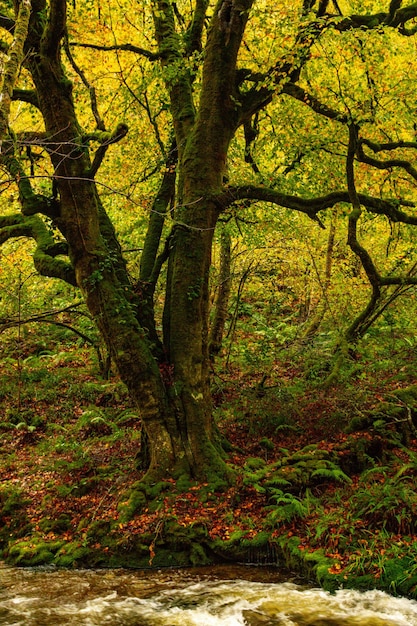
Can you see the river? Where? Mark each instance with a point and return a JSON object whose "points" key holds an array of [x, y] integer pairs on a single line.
{"points": [[217, 596]]}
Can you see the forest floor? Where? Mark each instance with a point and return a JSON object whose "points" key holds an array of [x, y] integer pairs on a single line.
{"points": [[325, 476]]}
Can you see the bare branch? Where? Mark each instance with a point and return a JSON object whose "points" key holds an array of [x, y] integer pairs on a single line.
{"points": [[387, 164], [392, 145], [40, 316], [91, 89], [106, 140], [364, 256]]}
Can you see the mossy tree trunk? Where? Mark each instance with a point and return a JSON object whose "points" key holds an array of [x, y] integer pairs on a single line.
{"points": [[203, 134], [169, 387], [97, 264]]}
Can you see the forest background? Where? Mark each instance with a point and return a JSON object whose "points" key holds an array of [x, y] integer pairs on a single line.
{"points": [[223, 299]]}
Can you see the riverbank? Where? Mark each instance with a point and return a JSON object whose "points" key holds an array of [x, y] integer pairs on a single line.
{"points": [[325, 479]]}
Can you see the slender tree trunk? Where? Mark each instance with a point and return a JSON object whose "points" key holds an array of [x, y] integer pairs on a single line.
{"points": [[222, 297], [323, 305]]}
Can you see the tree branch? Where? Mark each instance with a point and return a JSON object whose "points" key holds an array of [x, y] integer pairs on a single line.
{"points": [[297, 92], [106, 139], [14, 226], [311, 206], [389, 163], [88, 85], [40, 316], [127, 47], [285, 74], [4, 325], [395, 18], [391, 145], [26, 95], [195, 31], [12, 67], [393, 8], [179, 82], [55, 28], [31, 203], [364, 256]]}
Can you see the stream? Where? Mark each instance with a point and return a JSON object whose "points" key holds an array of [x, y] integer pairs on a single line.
{"points": [[221, 595]]}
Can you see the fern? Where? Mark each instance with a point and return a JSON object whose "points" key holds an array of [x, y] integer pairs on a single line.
{"points": [[332, 473], [408, 467], [373, 470], [287, 508], [286, 427], [278, 481], [126, 416]]}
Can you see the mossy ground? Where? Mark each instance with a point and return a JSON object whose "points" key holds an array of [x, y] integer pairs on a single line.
{"points": [[326, 479]]}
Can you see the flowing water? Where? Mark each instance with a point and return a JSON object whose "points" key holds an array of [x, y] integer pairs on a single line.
{"points": [[226, 596]]}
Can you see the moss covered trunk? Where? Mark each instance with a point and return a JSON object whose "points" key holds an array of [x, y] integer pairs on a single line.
{"points": [[168, 382]]}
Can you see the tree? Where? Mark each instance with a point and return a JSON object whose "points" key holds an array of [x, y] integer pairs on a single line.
{"points": [[216, 85]]}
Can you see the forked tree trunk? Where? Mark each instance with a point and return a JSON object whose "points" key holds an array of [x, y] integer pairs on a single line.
{"points": [[169, 383]]}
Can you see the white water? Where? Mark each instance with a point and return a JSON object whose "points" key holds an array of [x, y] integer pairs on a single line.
{"points": [[216, 597]]}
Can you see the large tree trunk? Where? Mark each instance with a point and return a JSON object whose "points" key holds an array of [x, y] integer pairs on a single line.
{"points": [[173, 397], [168, 380]]}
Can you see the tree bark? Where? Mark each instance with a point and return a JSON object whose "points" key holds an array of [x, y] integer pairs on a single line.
{"points": [[222, 296]]}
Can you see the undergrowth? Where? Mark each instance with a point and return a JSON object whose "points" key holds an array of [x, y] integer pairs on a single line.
{"points": [[326, 473]]}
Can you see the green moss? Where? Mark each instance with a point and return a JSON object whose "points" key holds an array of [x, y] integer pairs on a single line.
{"points": [[255, 463], [312, 565], [62, 523], [14, 521], [133, 506], [12, 500], [99, 530], [266, 443], [261, 540], [198, 555], [399, 576], [75, 554], [408, 395], [168, 558], [184, 483], [258, 549], [142, 495], [32, 552]]}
